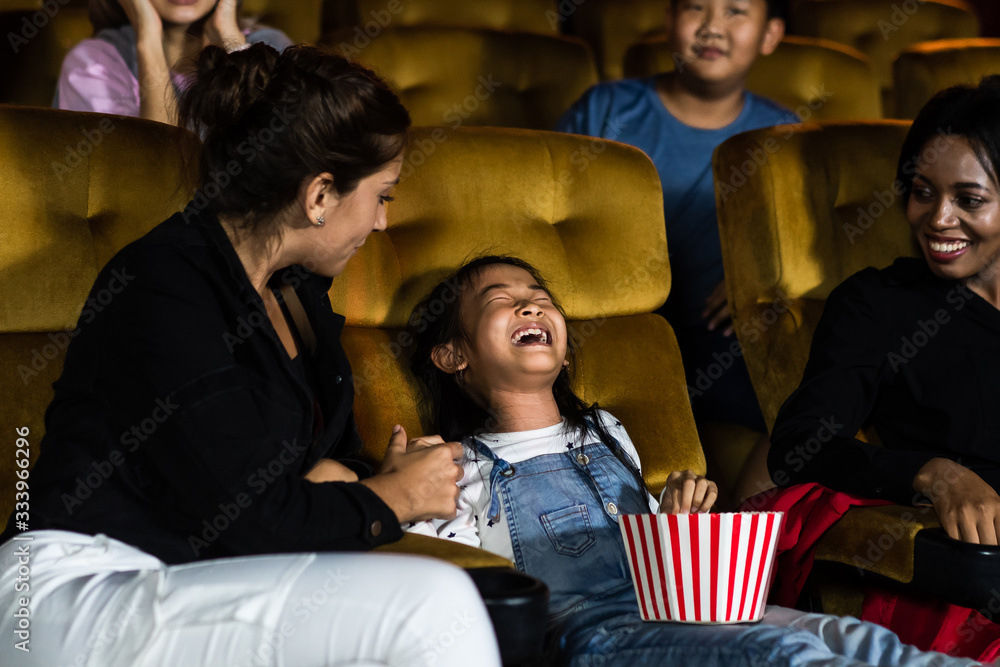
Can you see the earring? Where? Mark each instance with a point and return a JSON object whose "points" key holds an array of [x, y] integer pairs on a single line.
{"points": [[460, 373], [320, 220], [565, 363]]}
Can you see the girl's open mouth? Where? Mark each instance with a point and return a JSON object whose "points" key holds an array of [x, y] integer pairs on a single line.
{"points": [[531, 335]]}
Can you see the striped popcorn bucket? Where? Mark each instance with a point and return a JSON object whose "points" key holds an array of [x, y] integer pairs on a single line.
{"points": [[701, 568]]}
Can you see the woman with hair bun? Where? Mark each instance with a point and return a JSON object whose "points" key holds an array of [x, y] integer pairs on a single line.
{"points": [[196, 473], [133, 64]]}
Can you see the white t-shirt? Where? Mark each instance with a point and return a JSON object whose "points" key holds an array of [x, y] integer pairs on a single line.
{"points": [[472, 526]]}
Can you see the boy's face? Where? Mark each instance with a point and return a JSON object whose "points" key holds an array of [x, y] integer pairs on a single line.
{"points": [[719, 40]]}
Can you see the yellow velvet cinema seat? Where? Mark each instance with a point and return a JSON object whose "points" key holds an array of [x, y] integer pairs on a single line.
{"points": [[372, 16], [882, 28], [36, 39], [450, 77], [612, 26], [592, 225], [817, 205], [926, 68], [300, 20], [816, 78], [70, 196]]}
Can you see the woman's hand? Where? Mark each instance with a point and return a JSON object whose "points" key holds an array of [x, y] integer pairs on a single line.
{"points": [[328, 470], [419, 479], [687, 492], [144, 19], [968, 507], [717, 310], [223, 26]]}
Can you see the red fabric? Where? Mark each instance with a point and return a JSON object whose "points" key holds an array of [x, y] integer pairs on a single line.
{"points": [[934, 625], [927, 623], [810, 510]]}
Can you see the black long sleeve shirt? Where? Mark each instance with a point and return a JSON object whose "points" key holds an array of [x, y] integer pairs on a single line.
{"points": [[180, 425], [915, 356]]}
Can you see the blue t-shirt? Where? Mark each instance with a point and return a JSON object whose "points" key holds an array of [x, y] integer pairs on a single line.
{"points": [[630, 111]]}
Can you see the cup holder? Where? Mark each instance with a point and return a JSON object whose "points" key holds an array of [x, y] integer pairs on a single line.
{"points": [[518, 606]]}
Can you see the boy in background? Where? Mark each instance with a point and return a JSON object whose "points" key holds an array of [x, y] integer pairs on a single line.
{"points": [[678, 118]]}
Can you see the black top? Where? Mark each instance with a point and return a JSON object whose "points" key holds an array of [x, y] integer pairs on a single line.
{"points": [[915, 356], [179, 425]]}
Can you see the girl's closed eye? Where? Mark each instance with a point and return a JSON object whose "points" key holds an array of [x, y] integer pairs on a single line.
{"points": [[385, 199]]}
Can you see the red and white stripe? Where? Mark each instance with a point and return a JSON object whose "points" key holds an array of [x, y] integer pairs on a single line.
{"points": [[701, 568]]}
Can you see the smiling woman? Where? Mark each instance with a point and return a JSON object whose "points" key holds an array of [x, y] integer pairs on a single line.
{"points": [[914, 349], [209, 538]]}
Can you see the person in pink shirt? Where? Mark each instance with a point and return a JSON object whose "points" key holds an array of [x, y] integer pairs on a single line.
{"points": [[134, 64]]}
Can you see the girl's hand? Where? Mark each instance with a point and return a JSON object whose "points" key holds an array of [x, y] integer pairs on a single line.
{"points": [[968, 507], [420, 481], [223, 27], [687, 492], [144, 19], [328, 470]]}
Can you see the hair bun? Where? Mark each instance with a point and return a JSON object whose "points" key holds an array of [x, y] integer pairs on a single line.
{"points": [[227, 84]]}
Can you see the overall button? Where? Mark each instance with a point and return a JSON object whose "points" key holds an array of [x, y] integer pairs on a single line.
{"points": [[337, 380], [509, 472], [612, 508], [582, 459], [376, 528]]}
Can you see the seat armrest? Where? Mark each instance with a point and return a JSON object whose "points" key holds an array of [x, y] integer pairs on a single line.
{"points": [[459, 554], [877, 539]]}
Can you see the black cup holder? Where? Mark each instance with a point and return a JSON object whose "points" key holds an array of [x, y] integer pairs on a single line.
{"points": [[518, 606]]}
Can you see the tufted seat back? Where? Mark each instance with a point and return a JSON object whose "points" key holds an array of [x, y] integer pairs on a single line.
{"points": [[819, 207], [77, 187], [926, 68], [522, 15], [611, 26], [816, 78], [588, 213], [452, 77], [882, 28]]}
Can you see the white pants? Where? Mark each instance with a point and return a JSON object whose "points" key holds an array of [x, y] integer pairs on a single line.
{"points": [[97, 602]]}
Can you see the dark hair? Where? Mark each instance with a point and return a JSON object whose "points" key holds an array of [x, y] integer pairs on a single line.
{"points": [[776, 9], [455, 415], [970, 112], [269, 121]]}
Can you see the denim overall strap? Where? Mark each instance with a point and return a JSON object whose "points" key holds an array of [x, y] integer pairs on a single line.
{"points": [[562, 511], [500, 469]]}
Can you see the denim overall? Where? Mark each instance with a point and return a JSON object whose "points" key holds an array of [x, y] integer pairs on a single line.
{"points": [[562, 511]]}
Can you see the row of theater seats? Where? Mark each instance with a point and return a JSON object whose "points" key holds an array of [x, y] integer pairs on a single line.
{"points": [[841, 66], [596, 232]]}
